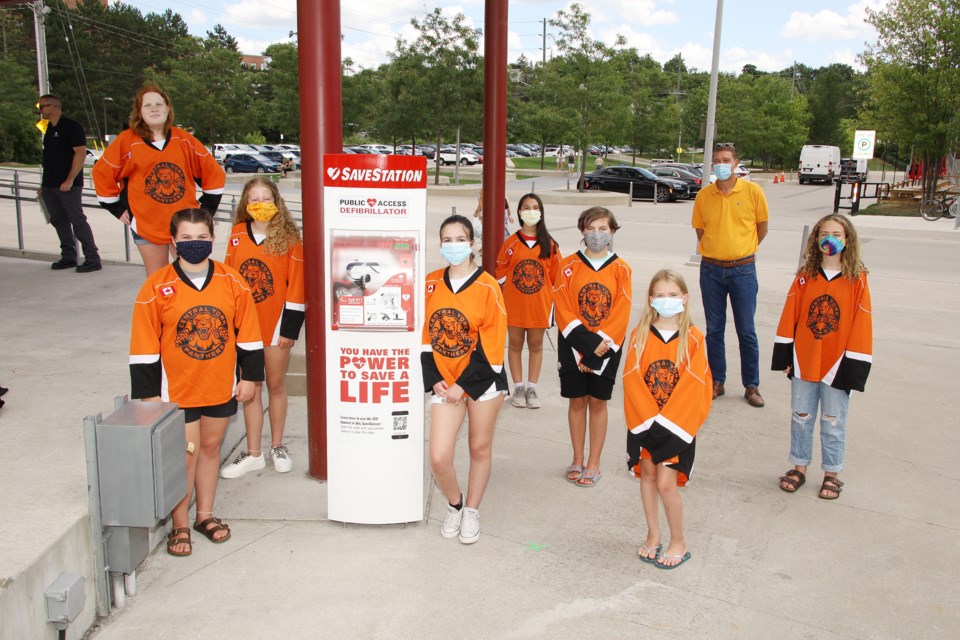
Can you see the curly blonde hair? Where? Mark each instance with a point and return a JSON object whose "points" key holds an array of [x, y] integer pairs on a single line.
{"points": [[851, 264], [282, 231]]}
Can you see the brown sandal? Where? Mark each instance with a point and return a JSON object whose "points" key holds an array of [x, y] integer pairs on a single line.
{"points": [[831, 484], [793, 480], [174, 539], [208, 531]]}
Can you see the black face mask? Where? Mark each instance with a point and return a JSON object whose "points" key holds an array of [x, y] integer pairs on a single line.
{"points": [[195, 251]]}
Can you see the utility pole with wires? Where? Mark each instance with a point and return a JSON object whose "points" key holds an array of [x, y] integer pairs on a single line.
{"points": [[43, 75]]}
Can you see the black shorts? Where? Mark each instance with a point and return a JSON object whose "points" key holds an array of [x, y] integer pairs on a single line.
{"points": [[225, 410], [576, 384]]}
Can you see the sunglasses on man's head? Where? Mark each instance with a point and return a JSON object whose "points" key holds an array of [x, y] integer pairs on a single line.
{"points": [[724, 145]]}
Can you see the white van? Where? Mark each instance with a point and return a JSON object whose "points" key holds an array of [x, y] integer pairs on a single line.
{"points": [[819, 162]]}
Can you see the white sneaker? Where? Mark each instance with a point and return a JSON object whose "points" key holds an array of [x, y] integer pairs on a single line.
{"points": [[518, 399], [533, 400], [469, 526], [281, 458], [242, 465], [450, 526]]}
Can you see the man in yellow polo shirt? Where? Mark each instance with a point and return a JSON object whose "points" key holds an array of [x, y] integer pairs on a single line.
{"points": [[730, 218]]}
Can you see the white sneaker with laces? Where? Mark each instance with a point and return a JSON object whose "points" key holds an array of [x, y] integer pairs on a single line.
{"points": [[533, 400], [281, 458], [450, 526], [518, 399], [469, 526], [243, 464]]}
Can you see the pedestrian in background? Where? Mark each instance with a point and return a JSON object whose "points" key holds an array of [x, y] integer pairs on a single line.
{"points": [[61, 187]]}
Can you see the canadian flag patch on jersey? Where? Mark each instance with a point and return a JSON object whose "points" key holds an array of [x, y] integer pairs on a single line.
{"points": [[429, 288], [167, 291], [509, 252], [568, 272], [235, 241]]}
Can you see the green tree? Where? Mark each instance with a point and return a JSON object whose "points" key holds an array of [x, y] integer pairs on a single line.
{"points": [[19, 139], [277, 93], [833, 97], [913, 78], [588, 80]]}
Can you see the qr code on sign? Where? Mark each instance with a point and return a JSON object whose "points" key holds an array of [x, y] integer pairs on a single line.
{"points": [[400, 423]]}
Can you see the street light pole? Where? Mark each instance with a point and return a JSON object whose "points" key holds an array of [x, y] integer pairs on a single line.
{"points": [[106, 99]]}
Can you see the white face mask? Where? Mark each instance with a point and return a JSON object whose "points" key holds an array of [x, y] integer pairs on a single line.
{"points": [[597, 241], [667, 307]]}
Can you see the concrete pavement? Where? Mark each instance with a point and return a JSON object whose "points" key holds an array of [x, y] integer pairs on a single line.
{"points": [[554, 560]]}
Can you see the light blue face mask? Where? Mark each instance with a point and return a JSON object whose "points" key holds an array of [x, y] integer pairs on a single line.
{"points": [[667, 307], [723, 171], [455, 252]]}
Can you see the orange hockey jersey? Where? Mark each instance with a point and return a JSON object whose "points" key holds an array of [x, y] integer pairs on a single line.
{"points": [[464, 333], [826, 331], [153, 184], [186, 342], [664, 404], [527, 281], [276, 283], [592, 306]]}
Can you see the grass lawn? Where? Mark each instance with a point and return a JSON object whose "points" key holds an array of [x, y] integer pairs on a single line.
{"points": [[893, 207]]}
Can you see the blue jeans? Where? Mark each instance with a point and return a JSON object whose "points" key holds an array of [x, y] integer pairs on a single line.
{"points": [[740, 283], [833, 403]]}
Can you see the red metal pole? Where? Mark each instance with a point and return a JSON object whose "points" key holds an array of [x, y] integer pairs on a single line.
{"points": [[321, 131], [494, 128]]}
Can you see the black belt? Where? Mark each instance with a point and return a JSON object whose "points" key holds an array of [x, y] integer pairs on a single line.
{"points": [[730, 263]]}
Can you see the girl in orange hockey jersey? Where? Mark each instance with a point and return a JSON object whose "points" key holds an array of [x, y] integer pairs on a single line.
{"points": [[667, 389], [824, 343], [265, 248], [194, 321], [464, 332], [593, 294], [150, 171], [527, 267]]}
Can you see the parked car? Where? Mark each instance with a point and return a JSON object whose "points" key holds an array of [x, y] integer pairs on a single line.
{"points": [[619, 179], [378, 148], [520, 150], [250, 163], [693, 181], [94, 154], [695, 169], [280, 156], [848, 171], [449, 156]]}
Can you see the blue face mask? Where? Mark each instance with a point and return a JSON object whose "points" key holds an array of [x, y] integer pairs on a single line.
{"points": [[667, 307], [195, 251], [723, 171], [455, 252]]}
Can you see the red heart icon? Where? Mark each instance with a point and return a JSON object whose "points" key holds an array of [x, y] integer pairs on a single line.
{"points": [[359, 362], [371, 201]]}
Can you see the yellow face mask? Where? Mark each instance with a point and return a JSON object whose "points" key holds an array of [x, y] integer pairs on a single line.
{"points": [[262, 211], [42, 125]]}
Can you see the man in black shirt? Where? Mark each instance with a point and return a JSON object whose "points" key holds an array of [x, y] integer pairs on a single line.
{"points": [[64, 150]]}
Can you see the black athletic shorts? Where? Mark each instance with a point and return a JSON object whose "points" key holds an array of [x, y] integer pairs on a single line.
{"points": [[576, 384], [224, 410]]}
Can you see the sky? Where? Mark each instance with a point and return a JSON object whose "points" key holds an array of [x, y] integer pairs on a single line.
{"points": [[769, 34]]}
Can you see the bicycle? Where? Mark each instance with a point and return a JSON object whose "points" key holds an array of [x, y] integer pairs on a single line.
{"points": [[944, 205]]}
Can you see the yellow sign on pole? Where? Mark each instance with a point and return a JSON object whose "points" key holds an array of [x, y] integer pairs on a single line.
{"points": [[679, 150]]}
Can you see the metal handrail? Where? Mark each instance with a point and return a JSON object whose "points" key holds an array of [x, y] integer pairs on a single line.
{"points": [[18, 187]]}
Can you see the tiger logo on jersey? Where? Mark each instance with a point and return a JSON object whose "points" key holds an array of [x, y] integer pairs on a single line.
{"points": [[202, 332], [823, 316], [165, 183], [594, 302], [259, 278], [450, 333], [661, 378], [528, 276]]}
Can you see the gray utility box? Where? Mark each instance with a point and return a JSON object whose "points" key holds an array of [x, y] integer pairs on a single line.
{"points": [[141, 460]]}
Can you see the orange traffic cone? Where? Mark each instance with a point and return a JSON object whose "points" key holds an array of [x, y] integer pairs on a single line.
{"points": [[776, 178], [783, 177]]}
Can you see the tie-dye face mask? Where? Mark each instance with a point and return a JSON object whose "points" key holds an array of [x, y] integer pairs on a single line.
{"points": [[831, 245]]}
